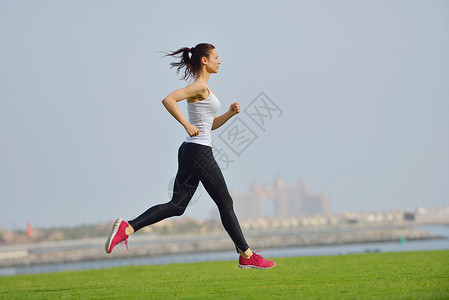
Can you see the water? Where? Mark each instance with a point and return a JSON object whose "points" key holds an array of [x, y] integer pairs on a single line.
{"points": [[437, 244]]}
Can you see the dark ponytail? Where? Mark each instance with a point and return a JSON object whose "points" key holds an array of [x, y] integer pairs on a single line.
{"points": [[190, 59]]}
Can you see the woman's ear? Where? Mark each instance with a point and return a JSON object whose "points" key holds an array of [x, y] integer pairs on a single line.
{"points": [[204, 60]]}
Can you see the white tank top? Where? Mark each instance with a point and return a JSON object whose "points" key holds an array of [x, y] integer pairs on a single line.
{"points": [[202, 114]]}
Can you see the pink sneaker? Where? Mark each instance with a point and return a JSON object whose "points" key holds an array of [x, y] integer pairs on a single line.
{"points": [[256, 261], [117, 235]]}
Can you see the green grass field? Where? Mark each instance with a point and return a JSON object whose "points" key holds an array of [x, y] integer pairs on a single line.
{"points": [[406, 275]]}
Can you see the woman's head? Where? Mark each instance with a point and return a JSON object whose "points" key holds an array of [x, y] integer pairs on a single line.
{"points": [[193, 59]]}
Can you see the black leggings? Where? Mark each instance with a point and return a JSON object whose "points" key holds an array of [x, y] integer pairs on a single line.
{"points": [[196, 163]]}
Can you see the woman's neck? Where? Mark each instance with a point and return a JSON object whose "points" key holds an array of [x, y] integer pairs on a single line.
{"points": [[203, 76]]}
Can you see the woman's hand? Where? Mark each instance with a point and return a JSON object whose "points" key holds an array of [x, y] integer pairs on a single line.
{"points": [[234, 109], [219, 121], [192, 130]]}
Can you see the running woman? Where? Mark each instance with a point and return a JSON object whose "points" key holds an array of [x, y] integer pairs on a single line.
{"points": [[195, 159]]}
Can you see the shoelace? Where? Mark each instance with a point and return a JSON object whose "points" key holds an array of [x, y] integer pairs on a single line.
{"points": [[257, 256], [125, 241]]}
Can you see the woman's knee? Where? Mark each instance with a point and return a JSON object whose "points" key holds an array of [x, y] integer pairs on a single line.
{"points": [[225, 203], [226, 208], [176, 209]]}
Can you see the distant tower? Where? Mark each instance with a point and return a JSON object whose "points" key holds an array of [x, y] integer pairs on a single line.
{"points": [[280, 198], [256, 200], [29, 230]]}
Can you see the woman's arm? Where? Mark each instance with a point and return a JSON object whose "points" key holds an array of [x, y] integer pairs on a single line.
{"points": [[219, 121], [195, 90]]}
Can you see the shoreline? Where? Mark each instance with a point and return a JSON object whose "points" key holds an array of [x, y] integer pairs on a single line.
{"points": [[146, 245]]}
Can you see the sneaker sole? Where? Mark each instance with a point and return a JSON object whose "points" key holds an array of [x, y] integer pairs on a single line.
{"points": [[254, 267], [111, 236]]}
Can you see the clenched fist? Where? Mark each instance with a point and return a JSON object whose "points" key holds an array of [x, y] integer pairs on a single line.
{"points": [[192, 130], [234, 108]]}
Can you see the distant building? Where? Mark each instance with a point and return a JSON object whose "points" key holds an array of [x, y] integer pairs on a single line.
{"points": [[279, 201], [408, 216]]}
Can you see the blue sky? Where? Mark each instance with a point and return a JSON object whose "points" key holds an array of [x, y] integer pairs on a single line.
{"points": [[363, 87]]}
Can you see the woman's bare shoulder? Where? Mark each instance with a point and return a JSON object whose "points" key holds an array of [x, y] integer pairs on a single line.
{"points": [[198, 90], [198, 86]]}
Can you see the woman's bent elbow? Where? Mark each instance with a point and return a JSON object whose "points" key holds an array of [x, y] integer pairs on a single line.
{"points": [[165, 102]]}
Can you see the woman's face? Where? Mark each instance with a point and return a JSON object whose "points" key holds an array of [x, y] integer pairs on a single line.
{"points": [[212, 62]]}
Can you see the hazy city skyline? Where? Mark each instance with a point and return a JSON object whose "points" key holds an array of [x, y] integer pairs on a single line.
{"points": [[356, 99]]}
